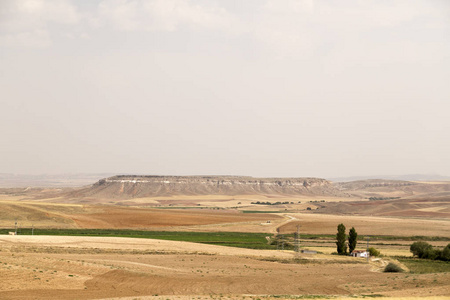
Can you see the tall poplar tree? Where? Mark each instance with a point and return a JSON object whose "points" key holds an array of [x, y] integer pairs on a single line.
{"points": [[352, 236], [341, 240]]}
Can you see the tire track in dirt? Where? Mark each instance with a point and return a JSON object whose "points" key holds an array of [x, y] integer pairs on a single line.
{"points": [[140, 264], [289, 220]]}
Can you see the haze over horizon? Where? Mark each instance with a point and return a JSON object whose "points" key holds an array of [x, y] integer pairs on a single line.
{"points": [[294, 88]]}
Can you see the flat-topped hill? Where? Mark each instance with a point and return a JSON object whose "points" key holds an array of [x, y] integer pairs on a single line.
{"points": [[130, 186]]}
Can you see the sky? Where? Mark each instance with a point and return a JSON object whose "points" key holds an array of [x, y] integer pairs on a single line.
{"points": [[264, 88]]}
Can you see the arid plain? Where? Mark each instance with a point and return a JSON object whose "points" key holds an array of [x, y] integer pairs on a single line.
{"points": [[388, 213]]}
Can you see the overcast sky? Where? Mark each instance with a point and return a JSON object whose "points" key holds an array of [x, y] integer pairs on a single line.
{"points": [[256, 87]]}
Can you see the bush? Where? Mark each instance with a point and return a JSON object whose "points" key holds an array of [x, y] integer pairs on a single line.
{"points": [[374, 252], [392, 268]]}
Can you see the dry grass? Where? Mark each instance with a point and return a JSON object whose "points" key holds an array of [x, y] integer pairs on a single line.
{"points": [[50, 268], [366, 225]]}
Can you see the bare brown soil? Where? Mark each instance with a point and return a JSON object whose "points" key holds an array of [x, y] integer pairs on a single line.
{"points": [[114, 217], [92, 268], [40, 214]]}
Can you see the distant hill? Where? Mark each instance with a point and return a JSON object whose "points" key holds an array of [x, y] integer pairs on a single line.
{"points": [[385, 188], [410, 177], [128, 186]]}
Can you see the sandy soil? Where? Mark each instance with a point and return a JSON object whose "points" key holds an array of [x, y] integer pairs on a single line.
{"points": [[39, 267]]}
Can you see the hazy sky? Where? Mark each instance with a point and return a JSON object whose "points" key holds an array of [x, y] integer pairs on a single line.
{"points": [[260, 88]]}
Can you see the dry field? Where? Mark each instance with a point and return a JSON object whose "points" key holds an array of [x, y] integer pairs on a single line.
{"points": [[423, 207], [367, 225], [39, 267], [56, 215]]}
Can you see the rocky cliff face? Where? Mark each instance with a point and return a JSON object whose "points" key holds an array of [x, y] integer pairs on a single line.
{"points": [[126, 186]]}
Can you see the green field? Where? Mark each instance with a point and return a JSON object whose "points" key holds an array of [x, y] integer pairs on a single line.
{"points": [[232, 239], [421, 266]]}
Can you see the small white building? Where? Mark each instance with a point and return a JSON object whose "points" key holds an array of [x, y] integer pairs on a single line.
{"points": [[359, 253]]}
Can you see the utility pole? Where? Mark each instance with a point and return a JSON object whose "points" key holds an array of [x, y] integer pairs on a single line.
{"points": [[297, 239], [32, 229], [368, 238], [15, 228], [280, 242]]}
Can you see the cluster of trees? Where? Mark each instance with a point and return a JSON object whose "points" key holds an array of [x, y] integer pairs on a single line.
{"points": [[425, 250], [270, 203], [383, 198], [341, 238]]}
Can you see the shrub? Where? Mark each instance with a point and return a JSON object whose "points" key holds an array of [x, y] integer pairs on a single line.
{"points": [[392, 268], [374, 252]]}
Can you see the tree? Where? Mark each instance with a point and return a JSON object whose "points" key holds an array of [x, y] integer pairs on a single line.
{"points": [[421, 249], [352, 236], [340, 240], [445, 256]]}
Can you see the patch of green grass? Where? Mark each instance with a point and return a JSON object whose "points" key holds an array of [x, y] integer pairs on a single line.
{"points": [[422, 266], [151, 234], [232, 239]]}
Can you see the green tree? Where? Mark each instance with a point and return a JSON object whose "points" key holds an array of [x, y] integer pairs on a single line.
{"points": [[445, 256], [340, 240], [421, 249], [352, 236]]}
